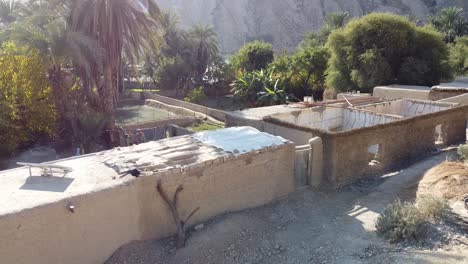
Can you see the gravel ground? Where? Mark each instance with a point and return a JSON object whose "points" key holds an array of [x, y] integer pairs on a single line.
{"points": [[310, 226]]}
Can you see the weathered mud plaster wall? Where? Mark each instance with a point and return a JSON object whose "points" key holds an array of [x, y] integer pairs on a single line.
{"points": [[346, 154], [334, 118], [325, 118], [110, 213], [446, 90], [215, 113], [461, 99], [407, 107], [394, 92], [254, 118], [298, 137], [317, 117], [439, 93]]}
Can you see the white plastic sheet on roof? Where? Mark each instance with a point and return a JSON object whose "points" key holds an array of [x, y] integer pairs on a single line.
{"points": [[239, 140]]}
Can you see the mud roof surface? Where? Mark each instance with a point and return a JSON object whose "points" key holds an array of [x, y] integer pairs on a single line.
{"points": [[20, 191]]}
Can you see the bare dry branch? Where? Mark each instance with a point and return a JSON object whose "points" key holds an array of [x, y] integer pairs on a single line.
{"points": [[190, 215], [181, 225]]}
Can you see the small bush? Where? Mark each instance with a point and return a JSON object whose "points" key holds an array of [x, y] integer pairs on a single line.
{"points": [[433, 207], [405, 221], [400, 222], [463, 152], [196, 96]]}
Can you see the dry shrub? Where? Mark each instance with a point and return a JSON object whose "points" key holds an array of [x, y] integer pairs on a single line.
{"points": [[448, 181], [400, 222], [432, 208], [463, 152]]}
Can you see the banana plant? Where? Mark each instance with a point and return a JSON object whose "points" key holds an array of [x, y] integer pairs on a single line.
{"points": [[261, 88], [273, 95]]}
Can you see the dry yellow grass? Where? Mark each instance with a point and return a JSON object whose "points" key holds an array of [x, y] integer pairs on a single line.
{"points": [[449, 180]]}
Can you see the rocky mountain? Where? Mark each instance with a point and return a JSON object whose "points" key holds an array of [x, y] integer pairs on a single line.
{"points": [[284, 22]]}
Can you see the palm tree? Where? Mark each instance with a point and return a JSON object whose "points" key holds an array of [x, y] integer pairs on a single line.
{"points": [[451, 22], [9, 11], [119, 27], [205, 46]]}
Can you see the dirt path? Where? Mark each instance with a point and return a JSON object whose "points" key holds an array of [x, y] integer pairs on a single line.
{"points": [[309, 227]]}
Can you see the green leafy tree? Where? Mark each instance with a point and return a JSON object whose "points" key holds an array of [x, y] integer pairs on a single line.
{"points": [[218, 76], [26, 105], [252, 56], [308, 67], [45, 30], [304, 72], [451, 22], [380, 49], [459, 56]]}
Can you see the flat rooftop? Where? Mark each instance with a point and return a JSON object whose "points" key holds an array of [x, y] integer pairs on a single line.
{"points": [[335, 119], [408, 107], [20, 191]]}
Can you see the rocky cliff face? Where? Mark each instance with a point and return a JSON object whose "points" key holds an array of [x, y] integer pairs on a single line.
{"points": [[284, 22]]}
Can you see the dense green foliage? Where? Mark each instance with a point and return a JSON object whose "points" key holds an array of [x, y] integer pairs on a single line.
{"points": [[459, 56], [303, 72], [197, 95], [381, 49], [26, 108], [451, 22], [260, 88], [88, 48], [188, 59], [252, 56]]}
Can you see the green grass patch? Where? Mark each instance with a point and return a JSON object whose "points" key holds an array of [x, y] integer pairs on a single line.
{"points": [[205, 126], [139, 90]]}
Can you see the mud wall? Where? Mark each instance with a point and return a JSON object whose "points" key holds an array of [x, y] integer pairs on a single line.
{"points": [[106, 219], [215, 113], [461, 99], [441, 93], [392, 93], [408, 108], [399, 144], [346, 155], [353, 119]]}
